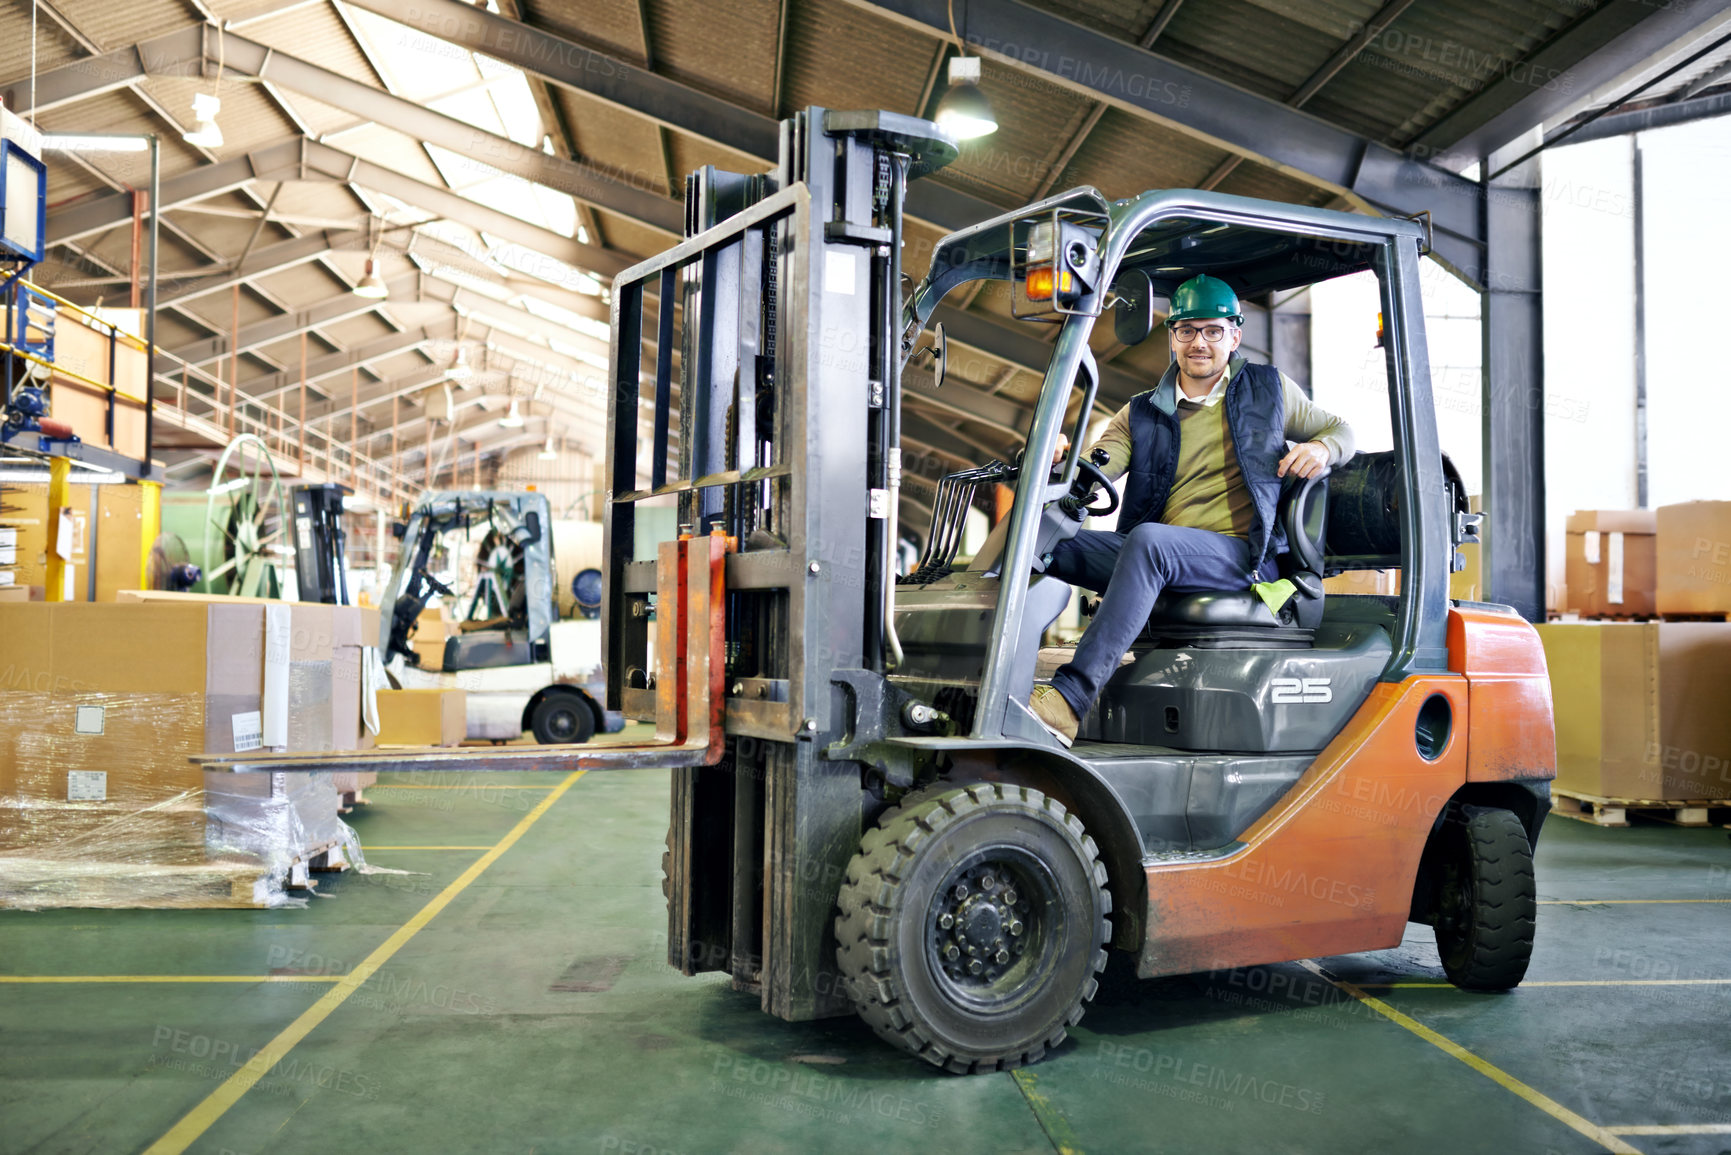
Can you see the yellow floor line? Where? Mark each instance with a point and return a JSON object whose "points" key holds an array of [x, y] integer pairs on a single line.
{"points": [[475, 786], [364, 849], [198, 1120], [1624, 901], [1496, 1074], [1561, 983], [1057, 1128], [170, 978], [1674, 1129]]}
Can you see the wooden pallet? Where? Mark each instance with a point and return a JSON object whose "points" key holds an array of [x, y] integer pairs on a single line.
{"points": [[1601, 811], [1720, 617]]}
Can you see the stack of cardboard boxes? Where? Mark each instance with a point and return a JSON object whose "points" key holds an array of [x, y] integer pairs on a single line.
{"points": [[103, 705], [1640, 709]]}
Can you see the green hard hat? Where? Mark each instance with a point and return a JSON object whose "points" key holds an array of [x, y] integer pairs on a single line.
{"points": [[1205, 298]]}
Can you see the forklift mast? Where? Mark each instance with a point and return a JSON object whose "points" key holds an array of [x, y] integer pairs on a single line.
{"points": [[321, 566], [773, 332]]}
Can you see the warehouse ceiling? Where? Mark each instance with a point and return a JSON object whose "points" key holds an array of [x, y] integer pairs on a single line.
{"points": [[498, 191]]}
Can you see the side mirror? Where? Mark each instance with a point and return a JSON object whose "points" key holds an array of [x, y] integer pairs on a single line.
{"points": [[939, 352], [529, 531], [1133, 314]]}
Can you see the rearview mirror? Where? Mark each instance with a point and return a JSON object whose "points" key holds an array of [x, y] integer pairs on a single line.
{"points": [[939, 352], [1133, 312]]}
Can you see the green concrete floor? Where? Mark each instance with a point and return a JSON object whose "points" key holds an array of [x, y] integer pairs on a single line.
{"points": [[535, 1013]]}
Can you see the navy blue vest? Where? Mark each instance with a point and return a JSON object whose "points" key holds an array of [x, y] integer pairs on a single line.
{"points": [[1256, 417]]}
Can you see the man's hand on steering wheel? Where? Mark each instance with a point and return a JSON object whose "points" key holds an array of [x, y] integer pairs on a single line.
{"points": [[1304, 460]]}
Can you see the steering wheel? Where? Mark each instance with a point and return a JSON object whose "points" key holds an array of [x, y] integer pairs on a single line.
{"points": [[1095, 477]]}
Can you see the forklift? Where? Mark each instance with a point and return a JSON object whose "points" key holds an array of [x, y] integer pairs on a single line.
{"points": [[524, 664], [866, 818]]}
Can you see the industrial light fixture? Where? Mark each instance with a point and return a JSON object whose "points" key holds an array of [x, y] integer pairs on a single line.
{"points": [[460, 370], [512, 419], [204, 134], [371, 285], [548, 453], [964, 110]]}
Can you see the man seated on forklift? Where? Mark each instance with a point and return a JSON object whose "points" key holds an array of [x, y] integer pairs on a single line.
{"points": [[1206, 452]]}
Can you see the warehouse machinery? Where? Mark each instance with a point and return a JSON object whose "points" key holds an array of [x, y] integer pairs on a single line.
{"points": [[865, 815], [524, 667]]}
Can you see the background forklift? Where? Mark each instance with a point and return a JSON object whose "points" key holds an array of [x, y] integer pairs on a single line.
{"points": [[865, 816], [529, 658]]}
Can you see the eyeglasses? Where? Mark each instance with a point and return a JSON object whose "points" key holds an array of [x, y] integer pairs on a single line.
{"points": [[1210, 333]]}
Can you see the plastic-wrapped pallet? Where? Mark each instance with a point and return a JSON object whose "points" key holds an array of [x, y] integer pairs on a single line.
{"points": [[102, 708]]}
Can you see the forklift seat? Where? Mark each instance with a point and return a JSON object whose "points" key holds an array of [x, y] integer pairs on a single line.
{"points": [[1240, 617]]}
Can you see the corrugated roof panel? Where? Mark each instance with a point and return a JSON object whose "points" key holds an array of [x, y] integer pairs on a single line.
{"points": [[627, 236], [614, 139], [1266, 52], [1126, 21], [54, 45], [738, 66], [839, 56], [1128, 154], [610, 25], [115, 26]]}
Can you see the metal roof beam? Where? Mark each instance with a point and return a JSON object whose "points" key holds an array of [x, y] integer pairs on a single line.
{"points": [[191, 51], [625, 85], [1200, 104], [268, 385], [262, 263], [342, 307], [1590, 53]]}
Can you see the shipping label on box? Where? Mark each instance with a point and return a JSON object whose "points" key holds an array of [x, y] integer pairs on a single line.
{"points": [[87, 786], [248, 731]]}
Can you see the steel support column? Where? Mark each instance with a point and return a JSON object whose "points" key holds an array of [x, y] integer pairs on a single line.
{"points": [[1514, 398]]}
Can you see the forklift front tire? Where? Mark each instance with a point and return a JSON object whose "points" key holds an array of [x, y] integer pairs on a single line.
{"points": [[562, 718], [972, 925], [1486, 900]]}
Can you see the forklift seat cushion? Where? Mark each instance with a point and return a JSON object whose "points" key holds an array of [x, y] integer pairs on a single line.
{"points": [[1192, 617]]}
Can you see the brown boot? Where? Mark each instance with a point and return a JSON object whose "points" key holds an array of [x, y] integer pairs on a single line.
{"points": [[1054, 713]]}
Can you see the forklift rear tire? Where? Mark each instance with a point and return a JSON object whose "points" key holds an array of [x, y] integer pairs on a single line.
{"points": [[562, 719], [1486, 901], [972, 925]]}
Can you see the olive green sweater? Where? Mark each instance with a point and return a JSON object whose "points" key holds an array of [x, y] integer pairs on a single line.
{"points": [[1208, 490]]}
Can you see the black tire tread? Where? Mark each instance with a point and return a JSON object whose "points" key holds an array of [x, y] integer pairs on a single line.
{"points": [[864, 928], [1499, 863]]}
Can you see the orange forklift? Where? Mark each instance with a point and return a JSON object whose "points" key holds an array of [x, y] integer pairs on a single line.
{"points": [[865, 815]]}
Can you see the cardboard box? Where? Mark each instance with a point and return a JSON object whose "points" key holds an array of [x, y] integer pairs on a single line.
{"points": [[422, 717], [431, 652], [1694, 548], [14, 594], [1363, 581], [324, 664], [1610, 562], [1640, 708], [102, 706]]}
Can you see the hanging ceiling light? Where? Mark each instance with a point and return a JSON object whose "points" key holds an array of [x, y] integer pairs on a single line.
{"points": [[371, 285], [548, 453], [205, 133], [964, 111], [512, 419], [460, 370]]}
